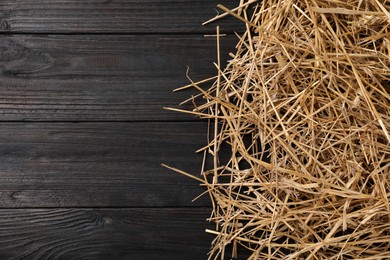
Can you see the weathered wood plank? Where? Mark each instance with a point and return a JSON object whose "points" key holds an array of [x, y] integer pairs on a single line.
{"points": [[108, 16], [99, 164], [98, 78], [104, 233]]}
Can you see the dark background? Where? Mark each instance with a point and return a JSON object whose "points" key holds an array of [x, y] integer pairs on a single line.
{"points": [[83, 132]]}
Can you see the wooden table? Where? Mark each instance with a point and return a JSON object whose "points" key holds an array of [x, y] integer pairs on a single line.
{"points": [[83, 132]]}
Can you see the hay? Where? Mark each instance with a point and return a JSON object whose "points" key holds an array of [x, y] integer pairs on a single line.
{"points": [[304, 108]]}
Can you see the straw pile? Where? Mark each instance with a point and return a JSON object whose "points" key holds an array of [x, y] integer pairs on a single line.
{"points": [[304, 107]]}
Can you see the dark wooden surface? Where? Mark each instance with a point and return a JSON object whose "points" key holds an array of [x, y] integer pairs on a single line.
{"points": [[83, 132], [136, 233], [100, 78], [99, 164], [111, 16]]}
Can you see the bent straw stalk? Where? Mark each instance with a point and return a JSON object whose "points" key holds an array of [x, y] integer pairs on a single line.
{"points": [[304, 107]]}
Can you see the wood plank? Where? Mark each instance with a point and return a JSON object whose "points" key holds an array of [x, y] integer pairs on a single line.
{"points": [[99, 164], [104, 233], [98, 78], [112, 16]]}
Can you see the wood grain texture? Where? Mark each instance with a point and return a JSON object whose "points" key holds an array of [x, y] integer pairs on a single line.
{"points": [[49, 234], [100, 78], [112, 16], [99, 164]]}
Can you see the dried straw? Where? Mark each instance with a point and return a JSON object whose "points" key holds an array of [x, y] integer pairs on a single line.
{"points": [[304, 107]]}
